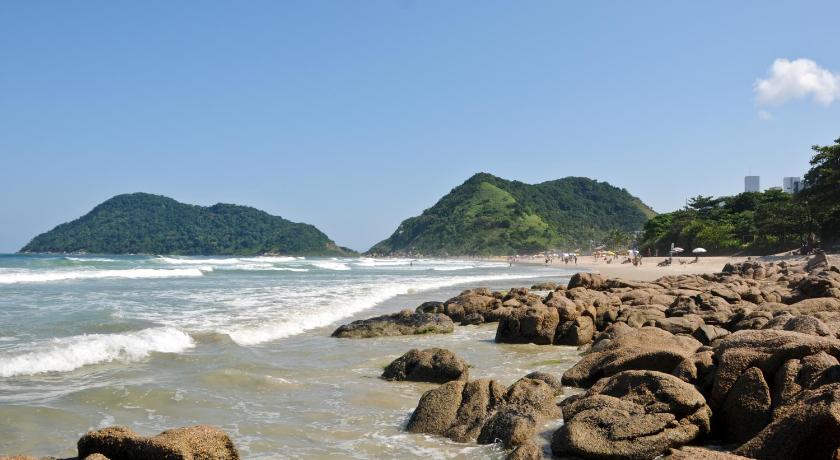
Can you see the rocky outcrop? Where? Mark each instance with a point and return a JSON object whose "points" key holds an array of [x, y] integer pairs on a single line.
{"points": [[405, 322], [436, 365], [483, 411], [633, 415], [700, 453], [647, 348], [189, 443]]}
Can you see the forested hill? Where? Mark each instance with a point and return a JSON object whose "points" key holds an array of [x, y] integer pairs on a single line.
{"points": [[141, 223], [488, 215]]}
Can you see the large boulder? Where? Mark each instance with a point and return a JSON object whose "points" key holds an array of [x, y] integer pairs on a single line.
{"points": [[484, 411], [700, 453], [436, 365], [746, 409], [470, 303], [405, 322], [575, 332], [647, 348], [528, 325], [808, 427], [189, 443], [632, 415]]}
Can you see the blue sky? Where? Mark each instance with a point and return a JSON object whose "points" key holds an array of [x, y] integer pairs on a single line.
{"points": [[355, 115]]}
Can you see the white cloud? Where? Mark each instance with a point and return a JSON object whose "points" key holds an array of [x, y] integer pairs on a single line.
{"points": [[765, 115], [797, 79]]}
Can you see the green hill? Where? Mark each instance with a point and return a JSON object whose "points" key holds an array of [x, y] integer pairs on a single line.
{"points": [[488, 215], [140, 223]]}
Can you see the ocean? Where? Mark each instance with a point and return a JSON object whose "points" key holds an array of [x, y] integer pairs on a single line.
{"points": [[242, 343]]}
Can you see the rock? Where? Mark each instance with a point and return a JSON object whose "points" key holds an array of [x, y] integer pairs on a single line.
{"points": [[470, 302], [576, 332], [804, 324], [633, 414], [700, 453], [527, 451], [430, 307], [435, 365], [818, 262], [546, 286], [189, 443], [645, 349], [706, 334], [610, 333], [680, 325], [472, 319], [746, 409], [483, 410], [809, 427], [549, 379], [528, 325], [527, 403], [766, 350], [405, 322], [456, 410], [586, 280], [96, 457]]}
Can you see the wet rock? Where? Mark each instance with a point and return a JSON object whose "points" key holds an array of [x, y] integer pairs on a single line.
{"points": [[527, 451], [546, 286], [472, 319], [645, 349], [430, 307], [527, 403], [808, 427], [549, 379], [405, 322], [633, 414], [189, 443], [436, 365], [528, 325]]}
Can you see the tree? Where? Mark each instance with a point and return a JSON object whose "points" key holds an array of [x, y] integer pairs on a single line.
{"points": [[822, 193]]}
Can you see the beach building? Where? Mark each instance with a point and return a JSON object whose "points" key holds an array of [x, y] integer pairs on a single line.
{"points": [[752, 184]]}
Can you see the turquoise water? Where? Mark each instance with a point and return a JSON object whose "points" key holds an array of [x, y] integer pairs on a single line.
{"points": [[241, 343]]}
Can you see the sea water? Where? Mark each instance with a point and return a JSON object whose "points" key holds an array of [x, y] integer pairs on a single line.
{"points": [[242, 343]]}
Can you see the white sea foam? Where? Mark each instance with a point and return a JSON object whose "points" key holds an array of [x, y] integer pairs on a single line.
{"points": [[31, 276], [69, 353], [296, 321], [330, 265], [91, 259]]}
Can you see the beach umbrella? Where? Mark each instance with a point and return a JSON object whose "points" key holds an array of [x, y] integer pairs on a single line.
{"points": [[699, 251], [677, 250]]}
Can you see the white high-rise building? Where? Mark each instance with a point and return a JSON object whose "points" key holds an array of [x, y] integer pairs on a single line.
{"points": [[792, 184], [752, 184]]}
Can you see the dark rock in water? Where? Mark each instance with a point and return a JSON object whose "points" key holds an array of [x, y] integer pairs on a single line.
{"points": [[633, 414], [527, 451], [746, 409], [547, 286], [483, 410], [456, 410], [436, 365], [405, 322], [430, 307], [647, 348], [470, 302], [576, 332], [189, 443], [700, 453], [586, 280], [472, 318], [528, 325], [807, 427]]}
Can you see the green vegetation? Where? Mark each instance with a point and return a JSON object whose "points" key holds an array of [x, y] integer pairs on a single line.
{"points": [[141, 223], [758, 223], [487, 215]]}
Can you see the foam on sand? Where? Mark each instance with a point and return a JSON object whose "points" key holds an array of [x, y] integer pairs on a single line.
{"points": [[68, 353]]}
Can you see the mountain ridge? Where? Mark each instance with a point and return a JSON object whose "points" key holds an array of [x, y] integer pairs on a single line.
{"points": [[144, 223], [489, 215]]}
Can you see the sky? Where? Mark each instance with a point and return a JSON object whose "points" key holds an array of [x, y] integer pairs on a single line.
{"points": [[354, 115]]}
